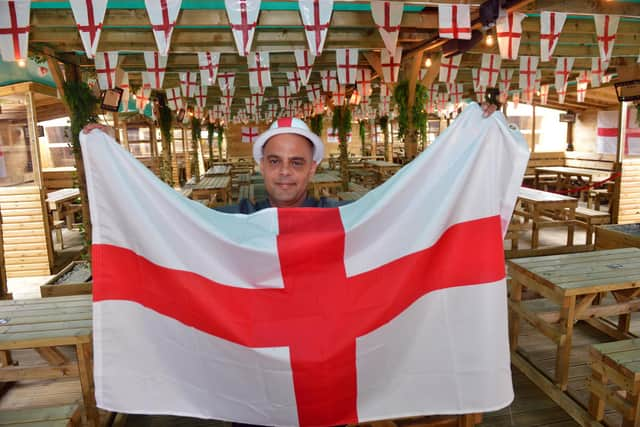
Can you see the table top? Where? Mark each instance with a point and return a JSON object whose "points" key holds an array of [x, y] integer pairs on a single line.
{"points": [[570, 170], [539, 196], [62, 195], [45, 322], [325, 178], [584, 272], [213, 183], [218, 170], [382, 164]]}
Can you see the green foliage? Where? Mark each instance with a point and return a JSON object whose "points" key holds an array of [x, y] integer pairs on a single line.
{"points": [[220, 128], [342, 122], [82, 105], [316, 124], [211, 127], [363, 131], [401, 98], [165, 119], [196, 130], [383, 122]]}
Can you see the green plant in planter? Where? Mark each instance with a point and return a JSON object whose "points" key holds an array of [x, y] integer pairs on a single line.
{"points": [[165, 118], [342, 122], [363, 132], [383, 122], [418, 115], [195, 141]]}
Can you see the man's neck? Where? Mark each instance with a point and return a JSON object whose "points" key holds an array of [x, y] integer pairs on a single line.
{"points": [[295, 204]]}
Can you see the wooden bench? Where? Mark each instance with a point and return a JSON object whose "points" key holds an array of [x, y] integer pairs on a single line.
{"points": [[590, 218], [615, 380], [53, 416], [605, 163], [246, 192], [57, 227], [555, 158], [59, 178]]}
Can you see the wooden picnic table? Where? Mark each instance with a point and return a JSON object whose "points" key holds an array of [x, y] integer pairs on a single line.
{"points": [[385, 169], [546, 209], [565, 174], [43, 325], [58, 201], [215, 189], [325, 181], [572, 288], [218, 170]]}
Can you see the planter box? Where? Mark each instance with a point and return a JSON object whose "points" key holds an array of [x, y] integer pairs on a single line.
{"points": [[618, 236], [67, 283]]}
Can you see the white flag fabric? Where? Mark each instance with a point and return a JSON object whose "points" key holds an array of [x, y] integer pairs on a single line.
{"points": [[363, 82], [14, 29], [509, 33], [551, 24], [106, 64], [315, 15], [387, 16], [163, 15], [226, 81], [582, 82], [454, 21], [456, 92], [489, 69], [390, 64], [284, 96], [249, 134], [504, 82], [201, 96], [607, 133], [188, 83], [208, 63], [544, 94], [156, 67], [564, 66], [449, 68], [142, 99], [606, 29], [210, 317], [329, 80], [89, 15], [294, 81], [243, 16], [304, 63], [528, 72], [347, 64], [174, 98], [598, 70], [259, 73]]}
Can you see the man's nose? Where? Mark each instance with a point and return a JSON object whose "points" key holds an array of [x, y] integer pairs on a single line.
{"points": [[285, 169]]}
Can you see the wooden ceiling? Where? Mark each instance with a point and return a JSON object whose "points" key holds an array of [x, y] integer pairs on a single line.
{"points": [[203, 25]]}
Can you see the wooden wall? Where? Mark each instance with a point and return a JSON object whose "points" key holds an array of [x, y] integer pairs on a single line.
{"points": [[26, 234], [584, 131], [629, 208]]}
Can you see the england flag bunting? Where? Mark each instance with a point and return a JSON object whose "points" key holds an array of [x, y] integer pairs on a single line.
{"points": [[294, 81], [551, 24], [314, 92], [315, 15], [208, 64], [366, 285], [249, 134], [454, 21], [201, 96], [250, 105], [385, 91], [390, 64], [142, 99], [258, 96], [448, 69], [284, 96], [509, 33], [433, 91], [504, 83], [304, 63], [489, 69], [363, 82], [562, 73], [528, 71], [443, 98], [106, 64], [607, 133], [14, 29], [174, 98], [188, 83], [227, 98], [156, 66], [339, 96], [598, 69], [163, 15], [582, 82], [527, 95], [561, 91], [259, 73], [243, 17], [124, 85], [89, 15], [383, 105], [347, 64], [456, 92], [606, 29], [329, 80], [423, 73], [477, 87], [387, 16], [544, 94], [226, 80]]}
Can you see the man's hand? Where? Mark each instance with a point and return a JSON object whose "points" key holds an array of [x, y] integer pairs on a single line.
{"points": [[488, 109], [106, 129]]}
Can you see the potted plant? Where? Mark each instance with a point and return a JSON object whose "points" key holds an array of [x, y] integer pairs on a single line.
{"points": [[74, 279]]}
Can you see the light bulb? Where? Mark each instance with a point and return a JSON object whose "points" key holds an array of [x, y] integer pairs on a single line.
{"points": [[427, 62], [22, 63], [489, 40]]}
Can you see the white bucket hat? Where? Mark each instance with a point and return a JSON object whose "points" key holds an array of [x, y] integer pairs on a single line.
{"points": [[289, 125]]}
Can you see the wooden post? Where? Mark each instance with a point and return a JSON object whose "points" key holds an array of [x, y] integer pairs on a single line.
{"points": [[125, 136], [411, 138], [116, 125], [4, 290], [570, 136], [33, 138], [186, 154], [533, 127], [614, 205]]}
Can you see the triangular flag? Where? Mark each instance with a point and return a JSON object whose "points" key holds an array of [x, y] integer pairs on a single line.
{"points": [[563, 70], [188, 83], [456, 92], [304, 61], [449, 68], [598, 68], [89, 15], [316, 15], [390, 65], [347, 63], [387, 16], [528, 72], [106, 64], [201, 96], [509, 33], [489, 69], [142, 99], [163, 15], [544, 94], [14, 29], [156, 67], [294, 81], [363, 82], [339, 96], [606, 29], [562, 93], [243, 16], [551, 24], [226, 81], [515, 98], [284, 96], [208, 64], [259, 73], [329, 79], [582, 82], [174, 98], [454, 21]]}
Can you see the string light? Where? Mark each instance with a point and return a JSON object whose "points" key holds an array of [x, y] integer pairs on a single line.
{"points": [[22, 63], [489, 40], [427, 62]]}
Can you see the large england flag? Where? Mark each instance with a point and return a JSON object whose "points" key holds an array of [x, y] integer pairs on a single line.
{"points": [[392, 306]]}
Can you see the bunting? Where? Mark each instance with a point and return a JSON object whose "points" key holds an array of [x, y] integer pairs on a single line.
{"points": [[208, 64], [314, 92], [200, 94], [347, 63], [188, 83], [390, 65], [606, 29], [226, 81], [284, 96], [528, 72], [259, 74], [544, 94], [294, 81], [504, 83], [142, 99], [174, 98], [315, 15], [477, 87], [89, 15], [14, 29], [582, 82], [106, 64], [243, 16], [509, 33], [329, 80], [448, 69], [562, 73], [456, 92], [304, 63], [515, 98], [339, 96], [489, 69], [598, 68], [454, 21], [156, 67], [163, 15], [387, 16], [363, 82], [249, 134], [551, 24]]}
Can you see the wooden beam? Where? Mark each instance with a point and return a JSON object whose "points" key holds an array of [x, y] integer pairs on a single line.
{"points": [[588, 7]]}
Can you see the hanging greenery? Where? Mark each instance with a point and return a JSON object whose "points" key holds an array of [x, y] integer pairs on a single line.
{"points": [[220, 130], [637, 105], [211, 127], [383, 122], [165, 119], [342, 122], [316, 124], [401, 98], [363, 132], [195, 141]]}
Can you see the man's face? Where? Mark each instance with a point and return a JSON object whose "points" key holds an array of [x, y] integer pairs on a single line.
{"points": [[287, 166]]}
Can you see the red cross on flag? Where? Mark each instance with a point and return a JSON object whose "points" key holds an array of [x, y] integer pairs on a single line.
{"points": [[528, 71], [489, 69], [243, 16], [329, 80], [456, 92], [339, 96], [504, 82], [142, 99], [323, 299], [314, 92], [14, 29], [294, 81], [363, 82], [257, 95], [433, 92], [582, 82], [304, 62], [174, 98], [598, 69], [387, 16], [315, 15], [259, 74], [156, 67], [607, 133], [208, 64], [226, 81], [163, 15], [250, 105], [201, 96], [284, 96], [385, 91], [249, 134], [188, 83], [390, 65], [347, 63], [477, 87], [454, 21], [561, 91], [551, 24], [106, 64], [89, 15], [606, 29], [383, 105], [544, 94], [563, 71], [509, 33], [227, 98], [449, 68]]}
